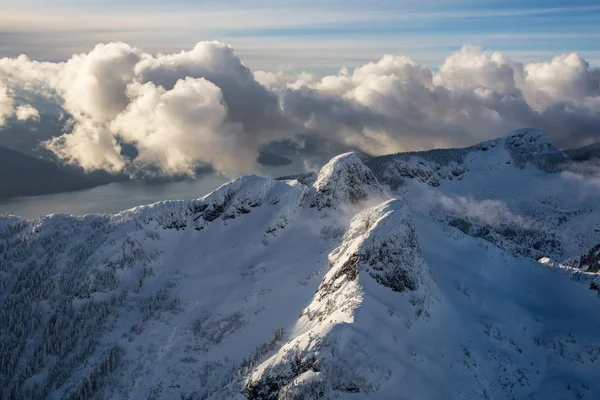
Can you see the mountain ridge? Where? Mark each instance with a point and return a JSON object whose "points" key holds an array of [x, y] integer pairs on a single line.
{"points": [[333, 285], [585, 153], [522, 146]]}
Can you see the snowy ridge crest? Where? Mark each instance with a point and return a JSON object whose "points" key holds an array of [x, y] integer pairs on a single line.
{"points": [[229, 201], [378, 260], [520, 148]]}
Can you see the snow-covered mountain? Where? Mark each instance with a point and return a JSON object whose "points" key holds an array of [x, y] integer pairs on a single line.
{"points": [[585, 153], [355, 283], [518, 192]]}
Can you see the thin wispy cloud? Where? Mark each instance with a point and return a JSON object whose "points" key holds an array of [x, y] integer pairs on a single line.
{"points": [[262, 30]]}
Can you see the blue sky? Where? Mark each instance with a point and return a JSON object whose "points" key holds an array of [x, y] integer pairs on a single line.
{"points": [[310, 34]]}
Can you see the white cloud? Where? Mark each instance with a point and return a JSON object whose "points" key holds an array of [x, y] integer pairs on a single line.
{"points": [[567, 77], [585, 183], [591, 179], [90, 145], [176, 128], [204, 106], [26, 112], [394, 104], [6, 104], [470, 69], [94, 85], [180, 111], [7, 107], [493, 213]]}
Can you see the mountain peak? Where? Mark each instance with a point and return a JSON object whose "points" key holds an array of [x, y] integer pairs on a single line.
{"points": [[531, 146], [529, 138], [344, 180], [529, 134]]}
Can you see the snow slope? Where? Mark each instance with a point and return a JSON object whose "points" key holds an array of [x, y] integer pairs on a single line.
{"points": [[517, 191], [316, 287], [468, 321]]}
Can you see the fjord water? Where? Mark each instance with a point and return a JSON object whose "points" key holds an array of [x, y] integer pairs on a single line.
{"points": [[118, 196]]}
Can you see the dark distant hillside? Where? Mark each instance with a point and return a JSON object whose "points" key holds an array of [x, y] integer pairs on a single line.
{"points": [[273, 160], [23, 175], [584, 153]]}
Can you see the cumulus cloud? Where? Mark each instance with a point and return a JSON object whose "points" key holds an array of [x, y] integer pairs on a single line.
{"points": [[566, 78], [180, 111], [6, 104], [26, 112], [7, 107], [394, 104], [89, 145], [178, 127], [94, 85], [203, 106]]}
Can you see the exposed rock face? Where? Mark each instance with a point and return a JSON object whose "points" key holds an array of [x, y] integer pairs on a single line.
{"points": [[344, 180]]}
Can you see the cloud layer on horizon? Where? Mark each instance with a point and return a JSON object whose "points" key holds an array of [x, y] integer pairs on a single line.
{"points": [[205, 107]]}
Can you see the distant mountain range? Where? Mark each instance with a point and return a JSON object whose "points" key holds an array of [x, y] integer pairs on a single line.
{"points": [[584, 153], [410, 276], [24, 175]]}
